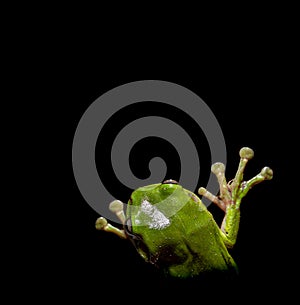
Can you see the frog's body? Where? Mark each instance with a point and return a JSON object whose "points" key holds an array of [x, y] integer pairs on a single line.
{"points": [[171, 228], [184, 244]]}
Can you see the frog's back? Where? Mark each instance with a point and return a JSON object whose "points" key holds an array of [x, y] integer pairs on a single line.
{"points": [[202, 239], [186, 243]]}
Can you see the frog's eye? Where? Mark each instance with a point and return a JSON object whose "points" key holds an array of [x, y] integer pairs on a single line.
{"points": [[170, 181]]}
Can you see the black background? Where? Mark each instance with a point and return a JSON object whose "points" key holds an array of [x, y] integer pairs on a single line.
{"points": [[60, 61], [253, 107]]}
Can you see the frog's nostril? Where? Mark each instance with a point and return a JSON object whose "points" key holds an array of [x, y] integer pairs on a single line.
{"points": [[170, 181]]}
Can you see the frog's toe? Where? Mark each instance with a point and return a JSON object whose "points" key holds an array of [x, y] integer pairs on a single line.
{"points": [[218, 168], [246, 153], [117, 207], [101, 223], [267, 173]]}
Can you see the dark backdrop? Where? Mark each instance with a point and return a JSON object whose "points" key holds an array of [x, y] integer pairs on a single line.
{"points": [[252, 111]]}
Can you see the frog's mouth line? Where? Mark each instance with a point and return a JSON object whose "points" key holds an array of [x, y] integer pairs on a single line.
{"points": [[128, 229], [136, 240]]}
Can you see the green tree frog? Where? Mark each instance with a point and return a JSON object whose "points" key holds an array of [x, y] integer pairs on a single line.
{"points": [[172, 229]]}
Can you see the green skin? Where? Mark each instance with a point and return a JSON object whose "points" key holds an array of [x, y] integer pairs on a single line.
{"points": [[172, 229], [185, 244]]}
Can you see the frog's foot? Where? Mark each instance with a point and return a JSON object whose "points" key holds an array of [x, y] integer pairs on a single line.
{"points": [[116, 207], [232, 193]]}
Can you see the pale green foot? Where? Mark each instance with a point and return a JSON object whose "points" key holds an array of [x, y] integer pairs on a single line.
{"points": [[231, 194], [116, 207]]}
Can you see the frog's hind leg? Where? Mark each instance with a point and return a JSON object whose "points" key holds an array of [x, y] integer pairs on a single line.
{"points": [[116, 207]]}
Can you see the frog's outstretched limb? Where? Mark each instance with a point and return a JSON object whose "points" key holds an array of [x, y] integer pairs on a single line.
{"points": [[116, 207], [231, 193]]}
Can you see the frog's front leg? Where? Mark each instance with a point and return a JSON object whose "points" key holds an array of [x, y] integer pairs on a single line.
{"points": [[116, 207], [231, 194]]}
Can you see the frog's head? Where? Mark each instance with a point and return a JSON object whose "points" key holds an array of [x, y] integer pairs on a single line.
{"points": [[154, 193], [149, 215]]}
